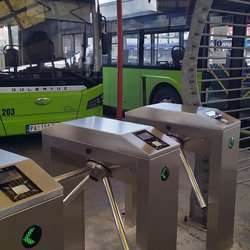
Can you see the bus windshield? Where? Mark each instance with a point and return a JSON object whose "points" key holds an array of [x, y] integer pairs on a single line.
{"points": [[45, 33]]}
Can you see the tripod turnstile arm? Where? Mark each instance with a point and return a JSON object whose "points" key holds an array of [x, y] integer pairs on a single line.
{"points": [[97, 172], [116, 213], [75, 192], [193, 181], [71, 174]]}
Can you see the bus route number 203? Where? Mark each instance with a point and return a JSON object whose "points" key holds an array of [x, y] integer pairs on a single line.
{"points": [[8, 112]]}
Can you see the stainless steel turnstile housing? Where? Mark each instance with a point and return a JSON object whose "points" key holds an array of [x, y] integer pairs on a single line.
{"points": [[212, 133], [31, 210], [136, 154]]}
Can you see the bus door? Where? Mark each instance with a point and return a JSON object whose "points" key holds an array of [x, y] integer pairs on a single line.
{"points": [[131, 73], [162, 60]]}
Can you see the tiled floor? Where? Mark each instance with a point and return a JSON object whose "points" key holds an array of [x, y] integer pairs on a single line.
{"points": [[101, 233]]}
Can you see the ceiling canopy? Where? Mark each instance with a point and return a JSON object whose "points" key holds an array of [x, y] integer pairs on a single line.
{"points": [[26, 13]]}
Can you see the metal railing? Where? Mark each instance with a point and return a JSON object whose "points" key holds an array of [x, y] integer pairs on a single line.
{"points": [[223, 58]]}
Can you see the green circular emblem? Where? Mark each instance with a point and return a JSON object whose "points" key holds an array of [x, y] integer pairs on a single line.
{"points": [[164, 173], [230, 142], [32, 236]]}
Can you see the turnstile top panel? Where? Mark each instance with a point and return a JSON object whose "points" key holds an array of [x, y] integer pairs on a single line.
{"points": [[184, 115], [7, 158], [118, 136], [106, 125], [23, 184]]}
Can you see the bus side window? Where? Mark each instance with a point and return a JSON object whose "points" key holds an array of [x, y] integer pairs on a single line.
{"points": [[147, 60], [125, 56], [114, 49], [131, 49]]}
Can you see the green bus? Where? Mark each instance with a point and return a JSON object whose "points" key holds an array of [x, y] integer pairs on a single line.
{"points": [[154, 46], [44, 78], [152, 60]]}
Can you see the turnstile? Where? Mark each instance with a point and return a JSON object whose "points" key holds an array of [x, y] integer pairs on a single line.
{"points": [[208, 132], [31, 208], [136, 154]]}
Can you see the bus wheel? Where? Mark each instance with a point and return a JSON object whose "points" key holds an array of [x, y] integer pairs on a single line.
{"points": [[166, 94]]}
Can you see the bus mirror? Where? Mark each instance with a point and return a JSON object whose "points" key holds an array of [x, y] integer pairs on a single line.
{"points": [[105, 43]]}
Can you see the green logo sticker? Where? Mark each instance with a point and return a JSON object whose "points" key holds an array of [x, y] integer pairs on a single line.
{"points": [[32, 236], [230, 142], [164, 173]]}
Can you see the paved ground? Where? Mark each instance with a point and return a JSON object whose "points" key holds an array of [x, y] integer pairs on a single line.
{"points": [[100, 229]]}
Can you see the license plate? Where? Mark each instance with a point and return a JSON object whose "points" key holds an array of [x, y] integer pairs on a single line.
{"points": [[35, 128]]}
